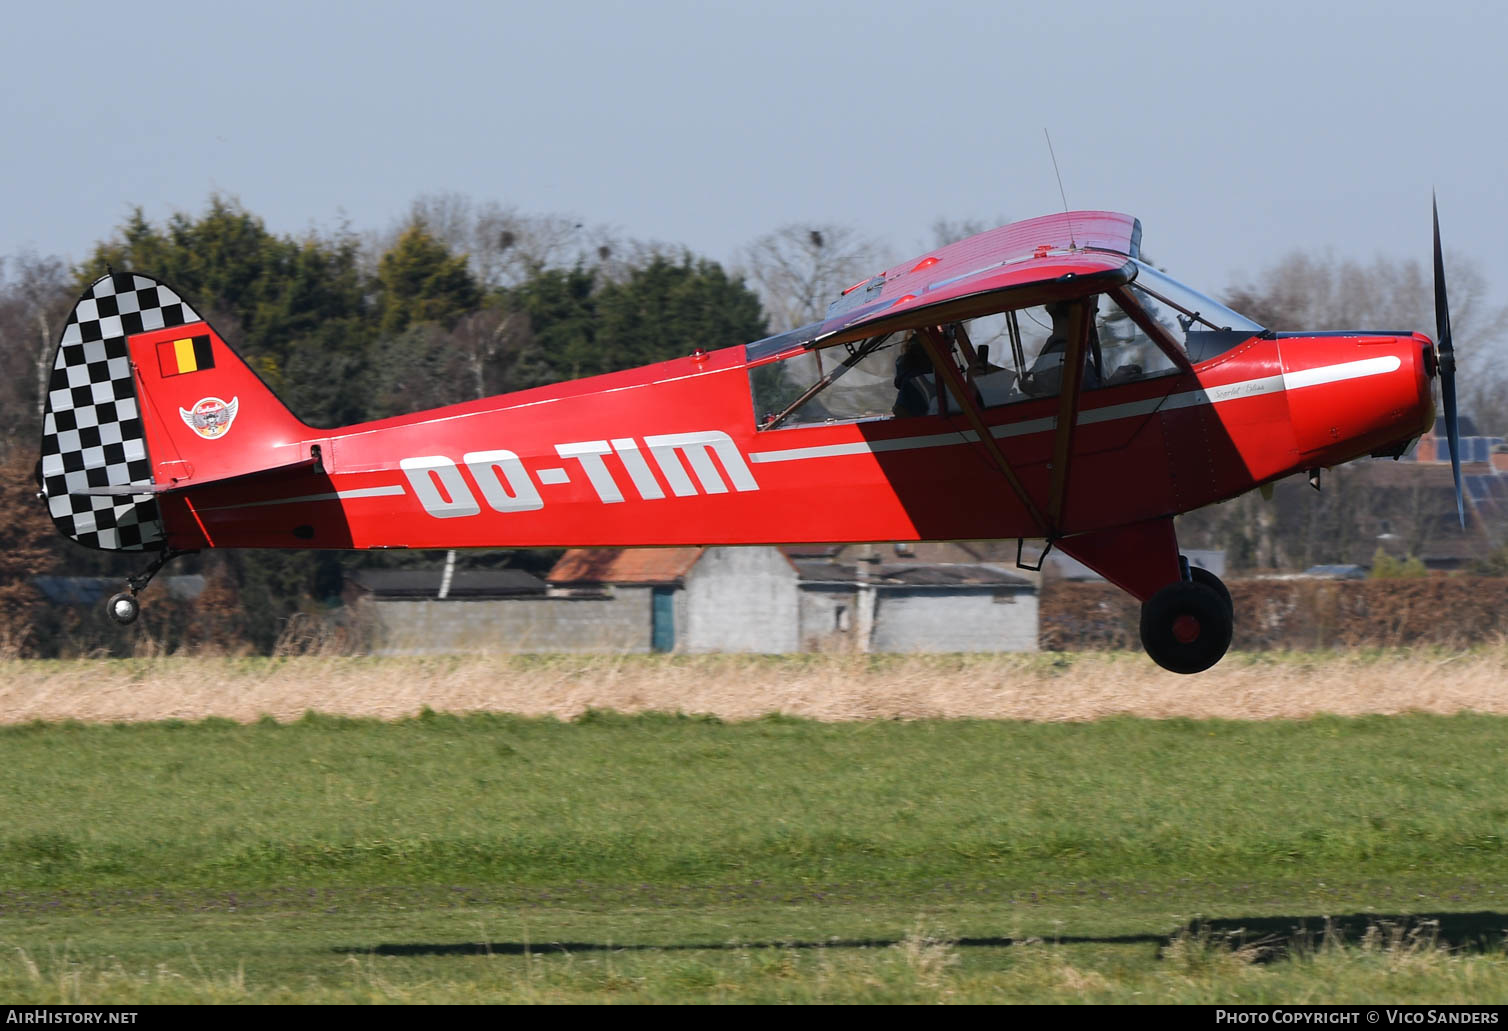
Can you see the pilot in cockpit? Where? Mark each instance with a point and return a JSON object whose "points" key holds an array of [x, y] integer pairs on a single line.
{"points": [[1045, 377], [912, 364]]}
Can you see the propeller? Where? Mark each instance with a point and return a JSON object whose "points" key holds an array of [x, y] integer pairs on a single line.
{"points": [[1447, 364]]}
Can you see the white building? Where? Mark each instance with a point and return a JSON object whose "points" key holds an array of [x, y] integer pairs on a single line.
{"points": [[752, 599]]}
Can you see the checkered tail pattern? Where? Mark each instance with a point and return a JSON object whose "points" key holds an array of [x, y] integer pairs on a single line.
{"points": [[92, 433]]}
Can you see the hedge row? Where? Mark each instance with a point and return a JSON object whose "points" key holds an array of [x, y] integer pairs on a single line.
{"points": [[1454, 611]]}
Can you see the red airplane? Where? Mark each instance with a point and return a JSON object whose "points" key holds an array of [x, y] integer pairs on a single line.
{"points": [[1036, 381]]}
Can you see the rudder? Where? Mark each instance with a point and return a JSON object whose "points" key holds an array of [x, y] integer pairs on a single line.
{"points": [[145, 394]]}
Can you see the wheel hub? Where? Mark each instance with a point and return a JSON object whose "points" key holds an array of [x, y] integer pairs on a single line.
{"points": [[1186, 629]]}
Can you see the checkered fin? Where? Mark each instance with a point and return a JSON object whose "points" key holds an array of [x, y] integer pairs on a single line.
{"points": [[91, 433]]}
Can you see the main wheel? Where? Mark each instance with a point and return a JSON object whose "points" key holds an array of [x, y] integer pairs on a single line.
{"points": [[1186, 627], [123, 608]]}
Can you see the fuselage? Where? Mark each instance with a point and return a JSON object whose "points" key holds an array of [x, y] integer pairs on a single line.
{"points": [[670, 454]]}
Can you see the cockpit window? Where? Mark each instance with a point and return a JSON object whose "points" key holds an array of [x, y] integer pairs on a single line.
{"points": [[1024, 360], [1004, 358]]}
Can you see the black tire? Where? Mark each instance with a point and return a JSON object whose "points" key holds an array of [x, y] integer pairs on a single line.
{"points": [[1186, 627], [123, 608], [1214, 583]]}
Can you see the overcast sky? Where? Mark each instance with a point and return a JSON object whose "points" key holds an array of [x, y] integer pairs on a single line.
{"points": [[1235, 132]]}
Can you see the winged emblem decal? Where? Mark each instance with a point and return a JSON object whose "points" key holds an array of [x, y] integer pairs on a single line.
{"points": [[210, 417]]}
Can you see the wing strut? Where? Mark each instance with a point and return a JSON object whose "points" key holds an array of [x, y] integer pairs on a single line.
{"points": [[1068, 409], [938, 350]]}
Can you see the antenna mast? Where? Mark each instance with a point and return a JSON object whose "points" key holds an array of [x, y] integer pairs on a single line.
{"points": [[1071, 240]]}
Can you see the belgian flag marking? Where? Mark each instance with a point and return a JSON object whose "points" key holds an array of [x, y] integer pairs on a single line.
{"points": [[191, 354]]}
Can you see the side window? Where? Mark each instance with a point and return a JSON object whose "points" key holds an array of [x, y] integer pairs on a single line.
{"points": [[835, 384], [1007, 346], [1019, 354], [880, 378], [1006, 358]]}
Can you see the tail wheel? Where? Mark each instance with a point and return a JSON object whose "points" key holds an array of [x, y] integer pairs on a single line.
{"points": [[123, 608], [1186, 627]]}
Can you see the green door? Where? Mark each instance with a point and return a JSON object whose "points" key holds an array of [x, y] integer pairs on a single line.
{"points": [[662, 626]]}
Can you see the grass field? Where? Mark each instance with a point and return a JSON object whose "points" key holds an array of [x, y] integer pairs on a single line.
{"points": [[1045, 686], [1026, 856]]}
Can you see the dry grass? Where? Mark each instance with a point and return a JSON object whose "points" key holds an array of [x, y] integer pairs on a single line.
{"points": [[1030, 687]]}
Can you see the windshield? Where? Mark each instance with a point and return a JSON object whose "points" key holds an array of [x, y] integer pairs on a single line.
{"points": [[1203, 325], [1196, 308]]}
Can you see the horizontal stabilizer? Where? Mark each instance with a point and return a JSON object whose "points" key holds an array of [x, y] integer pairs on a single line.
{"points": [[123, 490], [147, 489]]}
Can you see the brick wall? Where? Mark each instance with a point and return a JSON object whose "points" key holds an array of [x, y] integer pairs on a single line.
{"points": [[620, 623]]}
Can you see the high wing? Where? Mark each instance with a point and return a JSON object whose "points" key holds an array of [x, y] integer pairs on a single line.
{"points": [[1030, 262]]}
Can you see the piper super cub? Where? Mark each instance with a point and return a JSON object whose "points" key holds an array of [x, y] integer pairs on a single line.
{"points": [[1036, 381]]}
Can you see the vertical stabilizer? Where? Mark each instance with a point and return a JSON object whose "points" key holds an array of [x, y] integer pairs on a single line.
{"points": [[92, 433], [145, 394]]}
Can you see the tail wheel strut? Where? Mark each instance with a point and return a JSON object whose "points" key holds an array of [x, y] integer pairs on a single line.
{"points": [[123, 608]]}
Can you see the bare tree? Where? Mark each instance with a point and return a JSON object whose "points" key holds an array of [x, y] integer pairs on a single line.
{"points": [[34, 296], [951, 230], [798, 270], [485, 339], [26, 541], [1305, 291], [1308, 291], [504, 245]]}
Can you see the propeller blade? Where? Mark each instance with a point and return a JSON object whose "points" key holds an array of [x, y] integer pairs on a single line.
{"points": [[1447, 362]]}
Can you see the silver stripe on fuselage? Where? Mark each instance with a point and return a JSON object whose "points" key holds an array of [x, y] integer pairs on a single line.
{"points": [[1109, 413], [865, 447], [336, 495]]}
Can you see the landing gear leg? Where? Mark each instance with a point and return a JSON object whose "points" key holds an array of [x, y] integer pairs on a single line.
{"points": [[1186, 627], [1186, 613], [123, 608]]}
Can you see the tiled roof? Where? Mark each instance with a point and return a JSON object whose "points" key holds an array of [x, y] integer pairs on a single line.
{"points": [[624, 565]]}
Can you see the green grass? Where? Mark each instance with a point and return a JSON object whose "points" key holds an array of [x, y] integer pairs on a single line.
{"points": [[667, 858]]}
